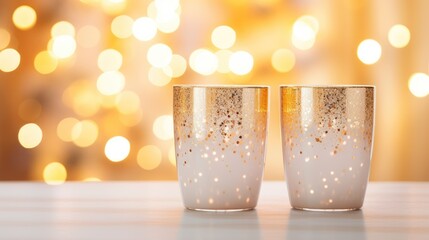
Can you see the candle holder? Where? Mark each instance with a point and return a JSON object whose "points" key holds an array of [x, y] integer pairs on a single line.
{"points": [[220, 138], [327, 134]]}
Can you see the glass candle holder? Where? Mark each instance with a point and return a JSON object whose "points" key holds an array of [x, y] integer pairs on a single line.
{"points": [[327, 135], [220, 138]]}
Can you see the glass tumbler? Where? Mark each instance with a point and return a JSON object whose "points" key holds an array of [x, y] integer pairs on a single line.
{"points": [[220, 138], [327, 136]]}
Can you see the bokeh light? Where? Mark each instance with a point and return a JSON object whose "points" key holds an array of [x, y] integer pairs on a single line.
{"points": [[419, 84], [167, 5], [44, 63], [127, 102], [159, 55], [54, 173], [24, 17], [4, 38], [283, 60], [109, 60], [203, 61], [149, 157], [110, 83], [160, 77], [223, 57], [168, 24], [64, 128], [63, 28], [63, 46], [117, 148], [223, 37], [172, 155], [304, 32], [88, 36], [30, 135], [144, 29], [177, 66], [166, 14], [122, 26], [163, 127], [241, 62], [399, 36], [9, 60], [369, 51], [84, 133]]}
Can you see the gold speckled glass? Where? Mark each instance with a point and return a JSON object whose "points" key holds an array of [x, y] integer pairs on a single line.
{"points": [[220, 138], [327, 134]]}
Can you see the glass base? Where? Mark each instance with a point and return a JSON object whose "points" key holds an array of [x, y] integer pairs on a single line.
{"points": [[327, 209], [220, 210]]}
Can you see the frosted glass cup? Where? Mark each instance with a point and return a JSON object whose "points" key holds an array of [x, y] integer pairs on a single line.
{"points": [[327, 134], [220, 138]]}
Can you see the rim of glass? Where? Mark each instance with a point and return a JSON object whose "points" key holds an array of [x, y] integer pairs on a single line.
{"points": [[219, 86], [328, 86]]}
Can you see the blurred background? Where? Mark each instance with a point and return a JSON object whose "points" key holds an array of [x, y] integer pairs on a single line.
{"points": [[86, 86]]}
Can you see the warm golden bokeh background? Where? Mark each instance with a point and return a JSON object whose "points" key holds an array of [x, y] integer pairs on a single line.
{"points": [[86, 85]]}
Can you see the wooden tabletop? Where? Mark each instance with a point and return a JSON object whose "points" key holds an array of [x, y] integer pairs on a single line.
{"points": [[153, 210]]}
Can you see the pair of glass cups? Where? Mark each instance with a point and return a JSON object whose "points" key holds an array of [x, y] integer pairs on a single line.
{"points": [[220, 141]]}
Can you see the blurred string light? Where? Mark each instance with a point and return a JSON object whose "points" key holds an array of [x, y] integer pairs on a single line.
{"points": [[4, 38], [172, 155], [177, 66], [369, 51], [84, 133], [304, 32], [127, 102], [223, 37], [149, 157], [117, 148], [45, 63], [144, 29], [163, 127], [399, 36], [160, 77], [122, 26], [419, 84], [223, 57], [109, 60], [159, 55], [30, 135], [54, 173], [241, 63], [9, 60], [88, 36], [203, 61], [65, 127], [110, 83], [283, 60], [24, 17]]}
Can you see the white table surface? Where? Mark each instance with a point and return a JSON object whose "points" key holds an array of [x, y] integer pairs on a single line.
{"points": [[153, 210]]}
